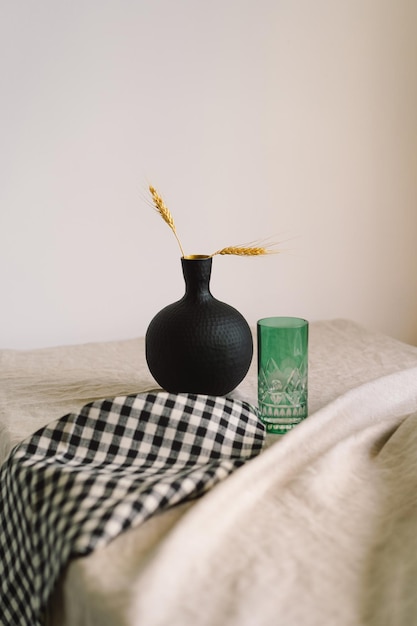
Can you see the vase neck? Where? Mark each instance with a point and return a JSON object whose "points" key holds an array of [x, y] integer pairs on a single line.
{"points": [[197, 274]]}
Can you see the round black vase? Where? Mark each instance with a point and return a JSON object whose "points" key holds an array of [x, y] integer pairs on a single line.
{"points": [[198, 344]]}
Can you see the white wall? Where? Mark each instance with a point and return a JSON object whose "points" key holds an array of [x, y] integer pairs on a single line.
{"points": [[254, 118]]}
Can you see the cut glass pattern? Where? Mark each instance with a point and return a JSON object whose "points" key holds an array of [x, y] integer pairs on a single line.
{"points": [[282, 392]]}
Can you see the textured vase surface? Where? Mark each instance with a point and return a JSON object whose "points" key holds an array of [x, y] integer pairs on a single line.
{"points": [[198, 344]]}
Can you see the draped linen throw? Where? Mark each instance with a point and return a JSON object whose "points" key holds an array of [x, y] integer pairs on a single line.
{"points": [[80, 481]]}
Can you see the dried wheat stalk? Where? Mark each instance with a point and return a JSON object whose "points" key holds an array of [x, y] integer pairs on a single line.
{"points": [[165, 213], [245, 250]]}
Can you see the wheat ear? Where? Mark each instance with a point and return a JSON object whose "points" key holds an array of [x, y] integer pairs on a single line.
{"points": [[245, 251], [165, 213]]}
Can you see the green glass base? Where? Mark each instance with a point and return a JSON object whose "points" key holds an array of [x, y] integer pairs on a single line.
{"points": [[282, 419], [280, 429]]}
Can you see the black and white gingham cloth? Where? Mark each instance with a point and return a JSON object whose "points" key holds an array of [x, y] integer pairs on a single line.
{"points": [[83, 479]]}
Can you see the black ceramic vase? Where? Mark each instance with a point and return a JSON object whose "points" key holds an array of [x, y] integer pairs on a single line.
{"points": [[198, 344]]}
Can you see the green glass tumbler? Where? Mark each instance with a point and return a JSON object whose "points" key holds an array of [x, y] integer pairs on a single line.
{"points": [[282, 372]]}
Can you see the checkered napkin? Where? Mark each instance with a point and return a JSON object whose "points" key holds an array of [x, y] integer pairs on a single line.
{"points": [[83, 479]]}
